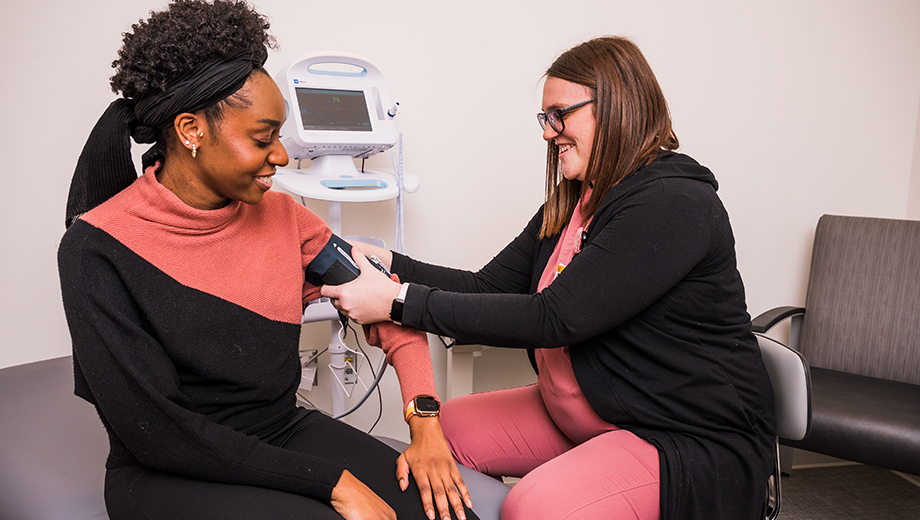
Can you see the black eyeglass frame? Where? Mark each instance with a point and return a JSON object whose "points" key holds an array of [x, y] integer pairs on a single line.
{"points": [[543, 117]]}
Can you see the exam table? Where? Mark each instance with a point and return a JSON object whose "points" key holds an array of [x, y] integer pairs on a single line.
{"points": [[53, 449]]}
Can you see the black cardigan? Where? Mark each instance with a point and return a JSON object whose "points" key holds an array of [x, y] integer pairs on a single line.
{"points": [[654, 313]]}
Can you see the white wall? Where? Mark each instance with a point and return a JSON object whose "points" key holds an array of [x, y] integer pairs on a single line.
{"points": [[800, 108], [913, 198]]}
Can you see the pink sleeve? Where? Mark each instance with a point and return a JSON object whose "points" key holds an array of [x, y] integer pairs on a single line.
{"points": [[407, 351]]}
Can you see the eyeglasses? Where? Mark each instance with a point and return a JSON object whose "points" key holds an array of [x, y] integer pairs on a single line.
{"points": [[556, 118]]}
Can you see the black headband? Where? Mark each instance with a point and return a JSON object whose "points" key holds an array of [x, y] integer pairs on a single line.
{"points": [[105, 166]]}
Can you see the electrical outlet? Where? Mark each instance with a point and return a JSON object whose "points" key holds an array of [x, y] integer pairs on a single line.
{"points": [[308, 372], [351, 365]]}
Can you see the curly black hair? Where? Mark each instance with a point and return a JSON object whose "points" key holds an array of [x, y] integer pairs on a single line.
{"points": [[188, 33]]}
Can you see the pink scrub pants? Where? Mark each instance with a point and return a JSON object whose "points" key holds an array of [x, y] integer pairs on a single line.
{"points": [[611, 476]]}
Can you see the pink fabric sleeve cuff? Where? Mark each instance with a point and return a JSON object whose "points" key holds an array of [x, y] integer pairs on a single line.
{"points": [[407, 352]]}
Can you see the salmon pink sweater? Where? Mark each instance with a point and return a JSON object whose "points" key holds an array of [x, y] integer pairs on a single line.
{"points": [[186, 324]]}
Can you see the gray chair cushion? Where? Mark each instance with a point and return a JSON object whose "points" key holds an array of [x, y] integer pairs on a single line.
{"points": [[53, 447], [863, 299]]}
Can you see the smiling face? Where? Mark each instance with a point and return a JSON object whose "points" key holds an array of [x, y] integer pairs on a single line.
{"points": [[576, 141], [235, 157]]}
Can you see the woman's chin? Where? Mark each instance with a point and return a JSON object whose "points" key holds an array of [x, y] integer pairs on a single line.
{"points": [[573, 176]]}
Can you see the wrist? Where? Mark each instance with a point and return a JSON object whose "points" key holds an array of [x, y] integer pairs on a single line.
{"points": [[386, 256], [424, 427], [398, 303]]}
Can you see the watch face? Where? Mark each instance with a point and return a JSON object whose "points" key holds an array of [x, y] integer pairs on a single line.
{"points": [[427, 405]]}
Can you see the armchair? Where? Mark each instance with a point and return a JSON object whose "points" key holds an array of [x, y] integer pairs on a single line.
{"points": [[860, 332]]}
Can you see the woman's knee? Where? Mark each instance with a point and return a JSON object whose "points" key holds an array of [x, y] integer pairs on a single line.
{"points": [[530, 500], [612, 476]]}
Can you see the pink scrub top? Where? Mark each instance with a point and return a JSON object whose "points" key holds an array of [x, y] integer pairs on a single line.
{"points": [[564, 400]]}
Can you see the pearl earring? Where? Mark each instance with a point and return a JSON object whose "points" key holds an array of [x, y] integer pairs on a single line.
{"points": [[194, 151]]}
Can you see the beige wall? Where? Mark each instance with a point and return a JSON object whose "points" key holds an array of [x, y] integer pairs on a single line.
{"points": [[800, 108], [913, 197]]}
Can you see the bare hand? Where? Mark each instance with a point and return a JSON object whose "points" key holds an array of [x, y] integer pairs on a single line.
{"points": [[368, 298], [429, 460], [355, 501]]}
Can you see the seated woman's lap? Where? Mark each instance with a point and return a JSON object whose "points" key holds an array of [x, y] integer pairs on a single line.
{"points": [[136, 492], [510, 433]]}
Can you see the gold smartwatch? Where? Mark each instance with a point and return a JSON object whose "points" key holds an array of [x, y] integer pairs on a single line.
{"points": [[423, 406]]}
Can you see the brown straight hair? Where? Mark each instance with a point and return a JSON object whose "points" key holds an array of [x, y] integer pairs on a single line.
{"points": [[633, 124]]}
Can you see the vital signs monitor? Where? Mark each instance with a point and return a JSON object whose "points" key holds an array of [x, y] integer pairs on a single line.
{"points": [[338, 111], [337, 106]]}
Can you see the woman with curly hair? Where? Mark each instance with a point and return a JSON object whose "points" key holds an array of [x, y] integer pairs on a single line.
{"points": [[652, 400], [184, 289]]}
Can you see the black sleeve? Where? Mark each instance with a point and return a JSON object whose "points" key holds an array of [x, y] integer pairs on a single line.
{"points": [[645, 248], [510, 271], [129, 377]]}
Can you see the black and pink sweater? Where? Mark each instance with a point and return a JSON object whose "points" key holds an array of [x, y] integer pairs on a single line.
{"points": [[186, 324]]}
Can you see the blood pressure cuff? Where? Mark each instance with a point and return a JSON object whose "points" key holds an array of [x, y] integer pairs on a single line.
{"points": [[405, 349], [334, 265]]}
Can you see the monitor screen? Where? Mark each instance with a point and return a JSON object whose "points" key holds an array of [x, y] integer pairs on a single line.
{"points": [[341, 110]]}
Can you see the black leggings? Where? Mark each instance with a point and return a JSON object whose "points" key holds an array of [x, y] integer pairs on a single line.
{"points": [[135, 492]]}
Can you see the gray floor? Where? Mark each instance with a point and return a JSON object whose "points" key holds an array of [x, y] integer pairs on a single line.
{"points": [[849, 492]]}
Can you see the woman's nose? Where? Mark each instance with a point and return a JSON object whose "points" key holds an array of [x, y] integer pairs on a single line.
{"points": [[279, 156]]}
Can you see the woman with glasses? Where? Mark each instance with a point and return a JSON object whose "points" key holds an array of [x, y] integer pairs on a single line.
{"points": [[652, 400]]}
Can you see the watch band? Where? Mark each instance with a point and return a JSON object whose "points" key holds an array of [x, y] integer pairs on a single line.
{"points": [[396, 309]]}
